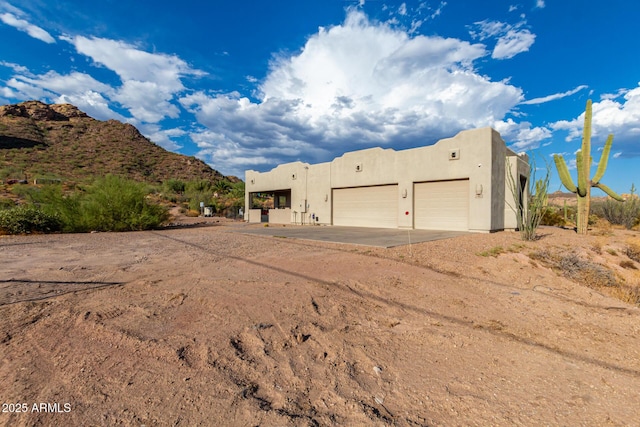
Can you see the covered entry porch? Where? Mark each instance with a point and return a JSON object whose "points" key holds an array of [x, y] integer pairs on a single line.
{"points": [[271, 207]]}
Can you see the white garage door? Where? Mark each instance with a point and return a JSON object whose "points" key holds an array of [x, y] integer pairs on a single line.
{"points": [[442, 205], [366, 206]]}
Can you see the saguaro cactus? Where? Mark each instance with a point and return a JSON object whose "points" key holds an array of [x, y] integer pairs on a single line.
{"points": [[583, 164]]}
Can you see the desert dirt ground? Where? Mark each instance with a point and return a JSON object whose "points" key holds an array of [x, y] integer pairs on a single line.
{"points": [[203, 326]]}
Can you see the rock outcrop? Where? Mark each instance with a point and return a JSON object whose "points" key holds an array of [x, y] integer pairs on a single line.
{"points": [[38, 139]]}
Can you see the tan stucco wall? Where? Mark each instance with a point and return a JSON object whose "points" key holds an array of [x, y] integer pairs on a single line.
{"points": [[280, 216], [253, 215], [480, 158]]}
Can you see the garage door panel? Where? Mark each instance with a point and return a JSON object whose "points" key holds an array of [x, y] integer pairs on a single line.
{"points": [[375, 206], [442, 205]]}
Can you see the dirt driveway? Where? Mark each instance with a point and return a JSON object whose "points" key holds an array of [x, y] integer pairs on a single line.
{"points": [[204, 326]]}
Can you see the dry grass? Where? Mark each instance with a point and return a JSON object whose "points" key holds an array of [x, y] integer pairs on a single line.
{"points": [[573, 267], [633, 251], [494, 252], [497, 250], [627, 293], [594, 275], [597, 248], [628, 264]]}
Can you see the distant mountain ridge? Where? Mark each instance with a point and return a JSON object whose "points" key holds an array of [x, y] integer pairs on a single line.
{"points": [[61, 141]]}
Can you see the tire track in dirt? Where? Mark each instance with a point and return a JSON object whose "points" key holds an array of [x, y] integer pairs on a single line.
{"points": [[227, 328]]}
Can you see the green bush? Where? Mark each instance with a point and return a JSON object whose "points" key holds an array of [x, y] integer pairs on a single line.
{"points": [[175, 186], [116, 204], [199, 186], [28, 219], [199, 191], [109, 204], [194, 200], [6, 203]]}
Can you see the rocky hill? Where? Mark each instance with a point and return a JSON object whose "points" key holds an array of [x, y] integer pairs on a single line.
{"points": [[60, 141]]}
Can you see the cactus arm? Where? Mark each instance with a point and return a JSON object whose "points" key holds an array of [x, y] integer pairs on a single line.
{"points": [[582, 177], [602, 165], [609, 191], [563, 171], [586, 141]]}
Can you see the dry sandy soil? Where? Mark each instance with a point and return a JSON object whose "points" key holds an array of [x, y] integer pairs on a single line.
{"points": [[206, 326]]}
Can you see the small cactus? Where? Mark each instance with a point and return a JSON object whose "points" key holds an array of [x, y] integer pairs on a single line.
{"points": [[583, 164]]}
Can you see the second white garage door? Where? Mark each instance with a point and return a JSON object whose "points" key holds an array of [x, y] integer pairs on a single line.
{"points": [[366, 206], [442, 205]]}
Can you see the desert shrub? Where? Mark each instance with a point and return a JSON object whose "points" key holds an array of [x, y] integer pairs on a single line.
{"points": [[52, 200], [553, 216], [117, 204], [586, 272], [626, 213], [199, 186], [195, 198], [633, 252], [629, 294], [594, 219], [628, 264], [6, 203], [597, 248], [529, 212], [21, 190], [11, 172], [234, 197], [199, 191], [28, 219], [577, 269], [109, 204], [175, 186]]}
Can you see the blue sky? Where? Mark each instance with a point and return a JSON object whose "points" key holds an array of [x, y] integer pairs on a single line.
{"points": [[251, 84]]}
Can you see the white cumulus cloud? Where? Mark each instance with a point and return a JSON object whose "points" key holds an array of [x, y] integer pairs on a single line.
{"points": [[521, 136], [510, 39], [351, 86], [162, 137], [149, 80], [79, 89], [15, 67], [24, 26], [620, 118], [92, 103], [72, 83], [513, 43]]}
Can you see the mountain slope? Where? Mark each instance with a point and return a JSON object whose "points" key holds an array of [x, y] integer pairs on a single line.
{"points": [[60, 141]]}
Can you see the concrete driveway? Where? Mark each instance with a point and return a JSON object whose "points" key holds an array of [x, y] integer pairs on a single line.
{"points": [[380, 237]]}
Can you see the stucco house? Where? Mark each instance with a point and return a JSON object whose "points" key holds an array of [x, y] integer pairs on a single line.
{"points": [[458, 183]]}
